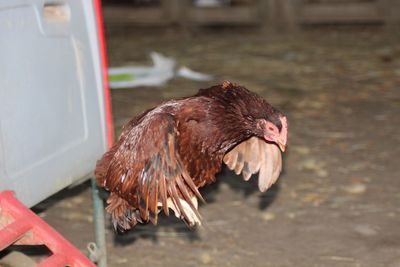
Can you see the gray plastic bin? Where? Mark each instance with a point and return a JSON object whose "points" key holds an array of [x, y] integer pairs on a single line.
{"points": [[52, 111]]}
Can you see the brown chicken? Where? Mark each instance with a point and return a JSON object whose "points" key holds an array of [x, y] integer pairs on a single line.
{"points": [[165, 154]]}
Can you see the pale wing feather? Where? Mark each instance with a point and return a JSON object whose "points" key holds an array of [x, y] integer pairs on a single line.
{"points": [[265, 175], [255, 155], [240, 160], [230, 159], [277, 165], [247, 164]]}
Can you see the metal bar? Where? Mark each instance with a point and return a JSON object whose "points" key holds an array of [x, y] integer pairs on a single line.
{"points": [[12, 232], [99, 224]]}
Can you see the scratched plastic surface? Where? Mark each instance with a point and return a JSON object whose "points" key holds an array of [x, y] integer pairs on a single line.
{"points": [[52, 125]]}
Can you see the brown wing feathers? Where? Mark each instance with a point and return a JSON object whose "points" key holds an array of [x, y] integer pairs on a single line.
{"points": [[147, 174], [255, 155]]}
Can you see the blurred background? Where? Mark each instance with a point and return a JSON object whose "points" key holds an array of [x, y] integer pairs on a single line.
{"points": [[333, 66]]}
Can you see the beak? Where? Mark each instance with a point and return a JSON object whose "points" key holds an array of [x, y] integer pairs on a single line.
{"points": [[281, 146], [281, 142], [282, 139]]}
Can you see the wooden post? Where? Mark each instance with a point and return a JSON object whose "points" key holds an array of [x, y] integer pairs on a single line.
{"points": [[287, 15], [391, 12], [172, 9], [280, 15], [266, 13]]}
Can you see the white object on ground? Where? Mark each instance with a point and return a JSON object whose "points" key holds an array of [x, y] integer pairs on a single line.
{"points": [[187, 73], [163, 69], [211, 3]]}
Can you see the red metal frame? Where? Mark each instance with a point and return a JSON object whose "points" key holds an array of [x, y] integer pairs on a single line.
{"points": [[103, 57], [27, 228]]}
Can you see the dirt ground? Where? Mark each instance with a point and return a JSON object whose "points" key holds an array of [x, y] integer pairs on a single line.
{"points": [[338, 200]]}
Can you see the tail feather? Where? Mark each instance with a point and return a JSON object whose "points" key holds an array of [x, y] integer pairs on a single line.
{"points": [[123, 216]]}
